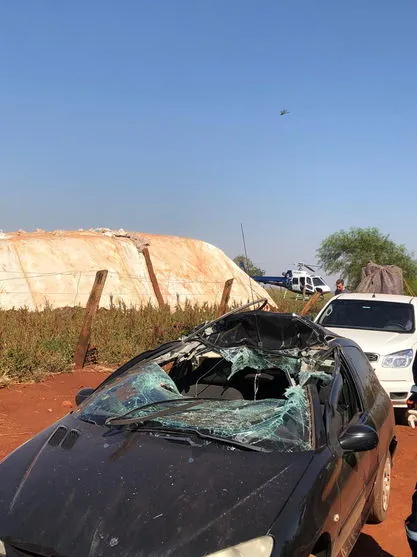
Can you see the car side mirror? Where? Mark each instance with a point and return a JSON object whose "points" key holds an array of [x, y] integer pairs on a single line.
{"points": [[359, 438], [83, 394]]}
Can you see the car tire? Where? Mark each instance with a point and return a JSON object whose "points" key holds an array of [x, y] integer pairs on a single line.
{"points": [[381, 493]]}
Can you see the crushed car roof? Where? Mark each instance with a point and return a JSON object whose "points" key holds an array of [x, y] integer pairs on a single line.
{"points": [[262, 330]]}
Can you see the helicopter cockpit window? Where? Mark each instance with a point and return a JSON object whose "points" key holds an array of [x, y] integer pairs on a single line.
{"points": [[295, 280]]}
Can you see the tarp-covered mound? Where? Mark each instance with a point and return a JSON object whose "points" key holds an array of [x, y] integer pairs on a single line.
{"points": [[59, 268], [381, 279]]}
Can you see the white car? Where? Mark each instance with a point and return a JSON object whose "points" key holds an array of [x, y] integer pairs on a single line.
{"points": [[384, 326]]}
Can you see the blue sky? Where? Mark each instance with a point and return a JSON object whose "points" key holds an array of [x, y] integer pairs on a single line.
{"points": [[164, 117]]}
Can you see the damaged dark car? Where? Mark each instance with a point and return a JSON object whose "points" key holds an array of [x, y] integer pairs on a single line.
{"points": [[258, 434]]}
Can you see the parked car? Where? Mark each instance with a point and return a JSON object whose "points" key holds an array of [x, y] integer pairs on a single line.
{"points": [[384, 326], [258, 434]]}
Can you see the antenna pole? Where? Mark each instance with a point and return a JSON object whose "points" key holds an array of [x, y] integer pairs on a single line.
{"points": [[246, 257]]}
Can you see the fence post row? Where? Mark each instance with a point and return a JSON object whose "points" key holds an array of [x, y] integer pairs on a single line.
{"points": [[90, 312], [225, 296], [152, 276]]}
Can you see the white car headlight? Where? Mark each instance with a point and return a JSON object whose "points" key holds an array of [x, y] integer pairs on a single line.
{"points": [[258, 547], [398, 359]]}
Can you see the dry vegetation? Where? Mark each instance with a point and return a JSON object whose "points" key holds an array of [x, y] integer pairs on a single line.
{"points": [[41, 342]]}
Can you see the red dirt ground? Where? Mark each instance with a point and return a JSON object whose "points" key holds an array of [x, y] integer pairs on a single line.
{"points": [[27, 409]]}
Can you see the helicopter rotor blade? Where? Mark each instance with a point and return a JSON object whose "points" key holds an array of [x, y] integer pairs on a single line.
{"points": [[310, 267]]}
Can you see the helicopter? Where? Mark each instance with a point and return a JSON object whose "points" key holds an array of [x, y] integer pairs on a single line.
{"points": [[301, 280]]}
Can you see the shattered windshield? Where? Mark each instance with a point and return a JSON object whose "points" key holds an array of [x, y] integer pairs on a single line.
{"points": [[240, 393]]}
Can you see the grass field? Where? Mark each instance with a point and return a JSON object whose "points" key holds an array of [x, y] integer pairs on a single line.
{"points": [[34, 343]]}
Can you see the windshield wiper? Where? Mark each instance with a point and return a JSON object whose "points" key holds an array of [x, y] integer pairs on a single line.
{"points": [[116, 420], [147, 428], [124, 420]]}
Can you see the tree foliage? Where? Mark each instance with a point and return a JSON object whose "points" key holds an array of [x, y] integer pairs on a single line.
{"points": [[346, 252], [248, 266]]}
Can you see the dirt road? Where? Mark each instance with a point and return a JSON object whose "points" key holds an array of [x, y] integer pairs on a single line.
{"points": [[27, 409]]}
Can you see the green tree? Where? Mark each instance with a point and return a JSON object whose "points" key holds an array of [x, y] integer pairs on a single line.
{"points": [[248, 266], [346, 252]]}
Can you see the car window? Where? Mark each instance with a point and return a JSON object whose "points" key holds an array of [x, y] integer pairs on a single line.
{"points": [[363, 368], [373, 315], [348, 405]]}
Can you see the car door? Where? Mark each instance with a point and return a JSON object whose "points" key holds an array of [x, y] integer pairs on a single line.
{"points": [[345, 409], [375, 403], [309, 285], [295, 284]]}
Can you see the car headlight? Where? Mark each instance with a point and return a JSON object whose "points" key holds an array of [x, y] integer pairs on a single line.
{"points": [[398, 359], [258, 547]]}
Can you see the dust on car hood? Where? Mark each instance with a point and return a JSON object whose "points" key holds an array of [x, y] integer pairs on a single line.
{"points": [[378, 342], [134, 493]]}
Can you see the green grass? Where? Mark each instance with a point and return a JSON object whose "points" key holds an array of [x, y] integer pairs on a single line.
{"points": [[288, 302], [35, 343]]}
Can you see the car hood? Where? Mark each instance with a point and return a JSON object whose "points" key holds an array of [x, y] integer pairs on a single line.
{"points": [[91, 492], [378, 342]]}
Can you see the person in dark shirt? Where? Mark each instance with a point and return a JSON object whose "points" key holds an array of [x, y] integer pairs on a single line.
{"points": [[340, 287], [411, 525]]}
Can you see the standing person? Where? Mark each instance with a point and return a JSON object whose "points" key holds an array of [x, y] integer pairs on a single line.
{"points": [[340, 287], [411, 526]]}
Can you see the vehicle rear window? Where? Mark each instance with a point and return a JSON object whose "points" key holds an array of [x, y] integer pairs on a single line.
{"points": [[371, 315]]}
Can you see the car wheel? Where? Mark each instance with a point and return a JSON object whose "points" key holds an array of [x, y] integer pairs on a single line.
{"points": [[381, 494]]}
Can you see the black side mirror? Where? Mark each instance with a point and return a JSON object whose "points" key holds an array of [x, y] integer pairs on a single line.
{"points": [[83, 394], [359, 438]]}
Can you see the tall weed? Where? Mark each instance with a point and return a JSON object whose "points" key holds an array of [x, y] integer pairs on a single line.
{"points": [[34, 343]]}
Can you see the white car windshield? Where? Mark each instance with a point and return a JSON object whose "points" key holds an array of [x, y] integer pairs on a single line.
{"points": [[371, 315]]}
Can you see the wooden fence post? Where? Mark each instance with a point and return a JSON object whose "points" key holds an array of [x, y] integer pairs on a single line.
{"points": [[408, 288], [90, 312], [310, 303], [152, 276], [225, 296]]}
